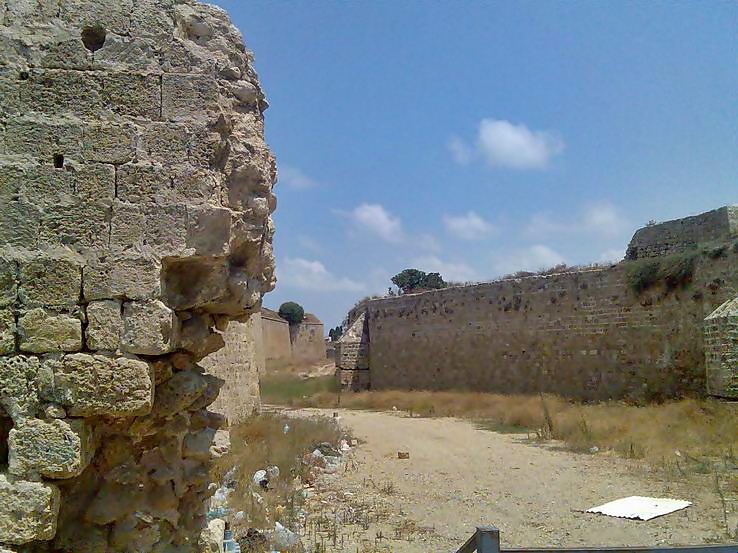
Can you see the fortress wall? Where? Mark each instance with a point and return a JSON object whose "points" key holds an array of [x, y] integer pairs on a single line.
{"points": [[239, 364], [719, 225], [308, 341], [583, 334], [276, 339]]}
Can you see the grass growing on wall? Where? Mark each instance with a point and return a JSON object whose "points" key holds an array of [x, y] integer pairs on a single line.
{"points": [[674, 271]]}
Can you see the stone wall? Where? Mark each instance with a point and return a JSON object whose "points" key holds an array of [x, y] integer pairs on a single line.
{"points": [[719, 225], [584, 334], [276, 337], [239, 364], [308, 341], [352, 354], [721, 350], [135, 202]]}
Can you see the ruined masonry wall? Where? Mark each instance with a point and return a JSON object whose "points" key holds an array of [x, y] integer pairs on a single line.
{"points": [[307, 341], [135, 203], [583, 335], [670, 237], [239, 364], [277, 346], [721, 350]]}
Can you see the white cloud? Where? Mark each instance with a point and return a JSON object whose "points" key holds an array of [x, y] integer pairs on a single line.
{"points": [[376, 220], [504, 144], [450, 271], [461, 153], [468, 227], [307, 243], [293, 178], [602, 219], [303, 274], [533, 258], [612, 256]]}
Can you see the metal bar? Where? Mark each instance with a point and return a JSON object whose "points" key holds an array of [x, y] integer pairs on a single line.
{"points": [[488, 539], [728, 548]]}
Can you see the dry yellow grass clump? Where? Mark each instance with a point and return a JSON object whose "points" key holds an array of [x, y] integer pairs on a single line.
{"points": [[696, 428]]}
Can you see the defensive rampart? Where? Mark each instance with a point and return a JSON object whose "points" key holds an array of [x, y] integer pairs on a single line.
{"points": [[632, 330]]}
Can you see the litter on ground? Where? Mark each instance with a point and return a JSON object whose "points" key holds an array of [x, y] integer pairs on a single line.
{"points": [[640, 508]]}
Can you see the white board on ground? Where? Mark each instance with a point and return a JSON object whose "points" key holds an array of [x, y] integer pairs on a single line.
{"points": [[640, 508]]}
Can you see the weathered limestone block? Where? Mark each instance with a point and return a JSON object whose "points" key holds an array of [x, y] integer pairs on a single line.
{"points": [[49, 281], [109, 143], [28, 510], [113, 15], [42, 331], [209, 230], [54, 449], [149, 328], [8, 281], [162, 228], [62, 92], [196, 445], [18, 394], [211, 539], [42, 137], [179, 392], [92, 183], [133, 276], [154, 183], [79, 224], [104, 325], [7, 331], [197, 335], [186, 97], [721, 350], [88, 385]]}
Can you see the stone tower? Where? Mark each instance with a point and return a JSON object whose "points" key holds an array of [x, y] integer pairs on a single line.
{"points": [[721, 350], [135, 203]]}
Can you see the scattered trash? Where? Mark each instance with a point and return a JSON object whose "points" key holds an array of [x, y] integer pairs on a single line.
{"points": [[354, 442], [286, 429], [594, 449], [229, 544], [344, 446], [394, 408], [640, 508], [327, 450], [284, 538], [253, 541], [240, 515], [403, 454], [272, 472], [260, 478]]}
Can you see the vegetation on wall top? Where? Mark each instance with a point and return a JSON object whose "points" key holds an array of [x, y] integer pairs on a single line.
{"points": [[292, 312]]}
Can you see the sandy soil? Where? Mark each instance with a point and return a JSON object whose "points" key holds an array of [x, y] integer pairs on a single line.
{"points": [[459, 476]]}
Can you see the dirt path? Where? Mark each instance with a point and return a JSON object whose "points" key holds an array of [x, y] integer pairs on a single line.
{"points": [[459, 476]]}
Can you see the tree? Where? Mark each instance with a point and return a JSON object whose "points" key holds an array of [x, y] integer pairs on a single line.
{"points": [[414, 280], [335, 333], [292, 312], [408, 280]]}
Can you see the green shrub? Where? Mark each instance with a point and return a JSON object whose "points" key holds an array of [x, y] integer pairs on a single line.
{"points": [[674, 271], [643, 274], [292, 312]]}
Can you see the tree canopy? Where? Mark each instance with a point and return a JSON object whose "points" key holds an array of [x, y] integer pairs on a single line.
{"points": [[292, 312], [415, 280]]}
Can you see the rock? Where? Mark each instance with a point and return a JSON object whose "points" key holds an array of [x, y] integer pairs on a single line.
{"points": [[197, 445], [18, 394], [28, 510], [7, 331], [179, 392], [42, 331], [221, 444], [149, 328], [54, 449], [211, 538], [104, 325], [89, 385]]}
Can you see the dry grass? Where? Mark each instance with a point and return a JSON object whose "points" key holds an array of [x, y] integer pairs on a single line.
{"points": [[695, 428], [259, 442]]}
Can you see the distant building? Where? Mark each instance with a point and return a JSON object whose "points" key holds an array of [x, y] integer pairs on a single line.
{"points": [[286, 344]]}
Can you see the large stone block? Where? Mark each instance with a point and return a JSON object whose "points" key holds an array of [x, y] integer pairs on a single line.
{"points": [[160, 227], [179, 392], [109, 143], [90, 385], [53, 449], [194, 282], [28, 510], [94, 183], [209, 230], [149, 328], [150, 183], [7, 331], [127, 275], [132, 94], [189, 97], [18, 393], [42, 331], [48, 280], [42, 137], [8, 281], [104, 325], [80, 224], [112, 15], [62, 92], [19, 223]]}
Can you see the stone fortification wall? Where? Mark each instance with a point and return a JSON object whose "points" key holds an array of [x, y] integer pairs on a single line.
{"points": [[721, 350], [276, 337], [135, 201], [719, 225], [352, 354], [239, 364], [583, 334], [308, 341]]}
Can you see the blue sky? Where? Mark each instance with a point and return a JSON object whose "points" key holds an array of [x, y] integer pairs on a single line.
{"points": [[479, 138]]}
